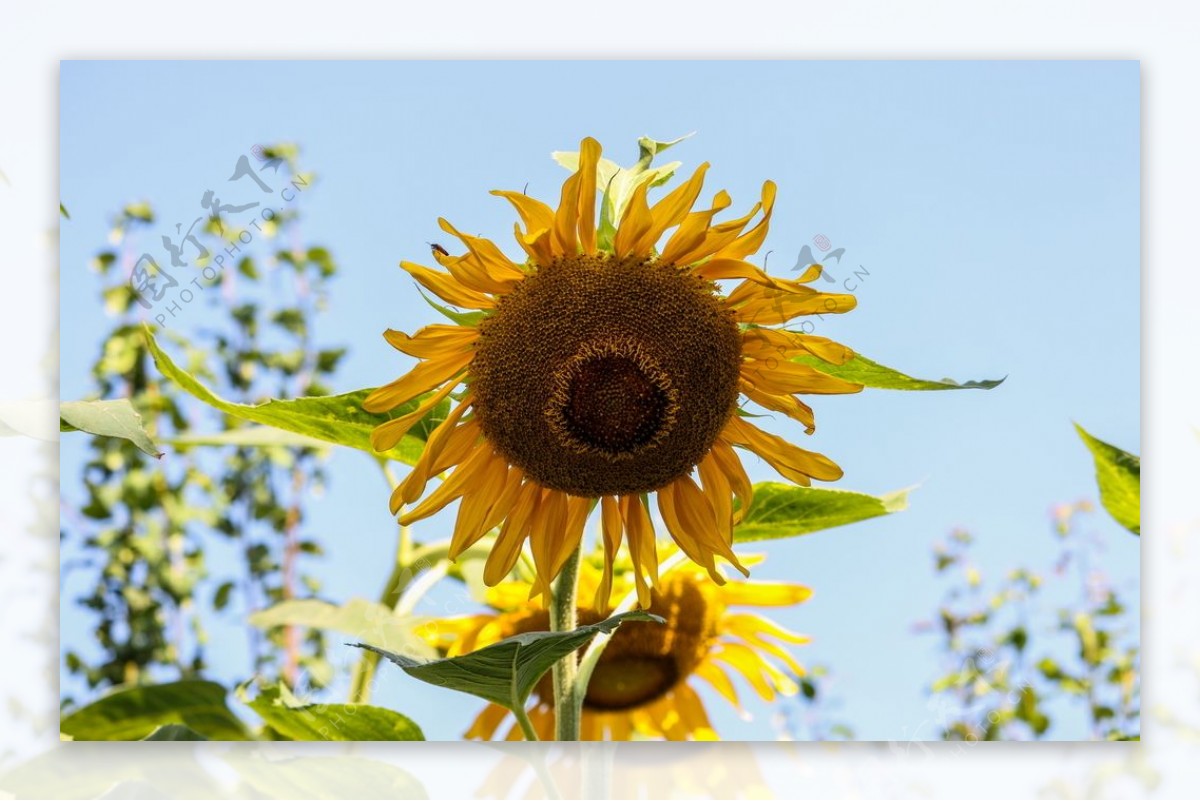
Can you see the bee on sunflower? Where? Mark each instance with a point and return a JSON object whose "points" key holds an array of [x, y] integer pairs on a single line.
{"points": [[644, 684], [607, 367]]}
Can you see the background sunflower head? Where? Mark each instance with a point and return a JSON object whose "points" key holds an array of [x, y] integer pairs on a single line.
{"points": [[644, 684], [606, 366]]}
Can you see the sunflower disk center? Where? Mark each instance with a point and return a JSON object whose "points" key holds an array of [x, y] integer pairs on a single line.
{"points": [[611, 401], [605, 376]]}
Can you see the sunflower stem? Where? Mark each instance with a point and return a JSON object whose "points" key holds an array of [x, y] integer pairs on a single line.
{"points": [[568, 696]]}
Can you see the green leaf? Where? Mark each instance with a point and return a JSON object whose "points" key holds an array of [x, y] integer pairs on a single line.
{"points": [[862, 370], [784, 510], [339, 419], [506, 672], [1119, 475], [331, 722], [252, 436], [174, 732], [132, 713], [63, 211], [107, 418], [358, 617]]}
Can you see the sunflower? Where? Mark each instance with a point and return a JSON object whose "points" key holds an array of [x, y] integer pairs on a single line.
{"points": [[603, 369], [644, 684]]}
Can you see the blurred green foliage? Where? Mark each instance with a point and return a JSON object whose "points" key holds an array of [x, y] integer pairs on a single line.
{"points": [[1035, 645], [139, 537]]}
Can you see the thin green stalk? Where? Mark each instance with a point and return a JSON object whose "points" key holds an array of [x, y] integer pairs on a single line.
{"points": [[568, 696], [526, 724]]}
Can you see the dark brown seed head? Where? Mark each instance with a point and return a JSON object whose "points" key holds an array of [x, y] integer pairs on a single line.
{"points": [[604, 376]]}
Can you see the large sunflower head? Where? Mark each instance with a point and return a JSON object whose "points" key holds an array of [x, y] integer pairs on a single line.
{"points": [[607, 366], [645, 682]]}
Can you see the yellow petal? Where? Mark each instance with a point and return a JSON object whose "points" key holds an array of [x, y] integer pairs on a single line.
{"points": [[462, 480], [513, 534], [642, 548], [538, 244], [504, 503], [413, 485], [761, 305], [422, 378], [469, 525], [673, 209], [447, 287], [635, 223], [693, 229], [785, 377], [717, 490], [589, 157], [735, 474], [749, 665], [763, 593], [692, 524], [485, 268], [533, 212], [611, 529], [788, 404], [548, 525], [386, 436], [752, 240], [433, 341], [566, 219], [719, 680], [793, 463]]}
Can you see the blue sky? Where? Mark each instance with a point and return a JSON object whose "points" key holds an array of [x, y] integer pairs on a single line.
{"points": [[993, 209]]}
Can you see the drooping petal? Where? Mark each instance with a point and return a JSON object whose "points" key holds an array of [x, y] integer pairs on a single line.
{"points": [[763, 593], [386, 436], [735, 474], [436, 448], [785, 377], [642, 549], [788, 404], [692, 230], [692, 523], [447, 287], [611, 528], [469, 525], [422, 378], [752, 240], [513, 534], [792, 462], [433, 341]]}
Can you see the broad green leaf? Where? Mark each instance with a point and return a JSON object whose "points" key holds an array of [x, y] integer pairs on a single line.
{"points": [[252, 436], [107, 418], [339, 419], [331, 722], [862, 370], [783, 510], [506, 672], [174, 732], [358, 618], [1119, 475], [132, 713]]}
